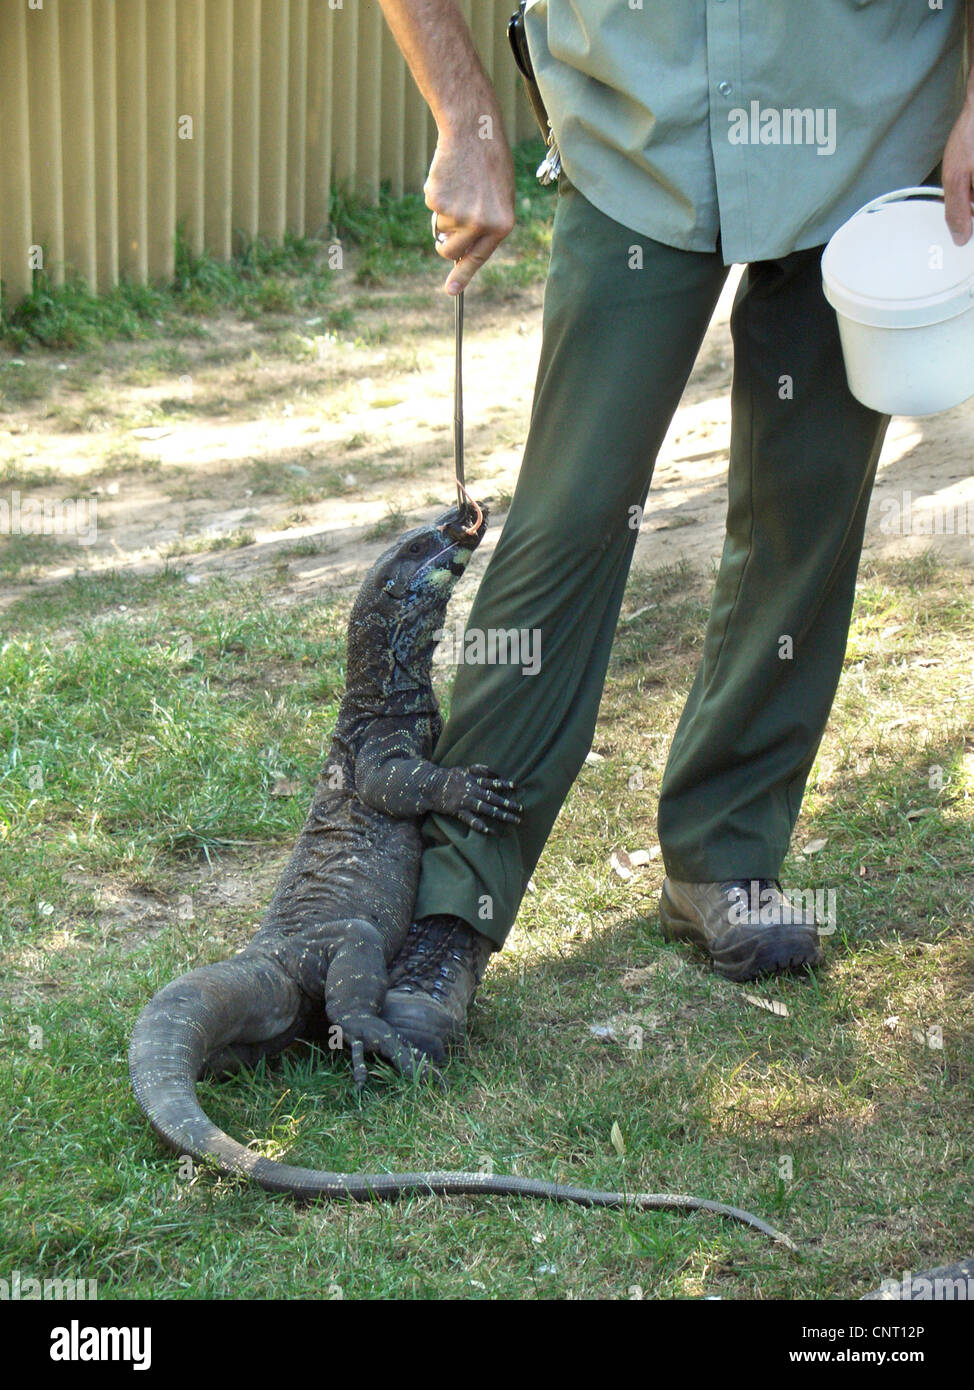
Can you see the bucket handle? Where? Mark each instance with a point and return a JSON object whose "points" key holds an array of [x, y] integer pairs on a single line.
{"points": [[903, 195], [923, 190]]}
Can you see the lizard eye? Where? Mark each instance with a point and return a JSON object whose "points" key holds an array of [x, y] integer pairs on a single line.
{"points": [[415, 548]]}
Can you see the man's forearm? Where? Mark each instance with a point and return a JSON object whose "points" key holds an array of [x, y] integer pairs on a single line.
{"points": [[437, 45], [970, 50], [470, 185]]}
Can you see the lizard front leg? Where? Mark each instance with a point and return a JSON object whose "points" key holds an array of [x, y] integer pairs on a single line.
{"points": [[389, 780]]}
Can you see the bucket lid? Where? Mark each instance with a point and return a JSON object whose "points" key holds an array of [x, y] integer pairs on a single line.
{"points": [[895, 265]]}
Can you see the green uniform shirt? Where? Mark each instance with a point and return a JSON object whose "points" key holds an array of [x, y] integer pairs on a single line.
{"points": [[766, 121]]}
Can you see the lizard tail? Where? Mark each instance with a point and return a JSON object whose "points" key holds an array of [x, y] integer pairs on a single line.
{"points": [[249, 1001], [208, 1009]]}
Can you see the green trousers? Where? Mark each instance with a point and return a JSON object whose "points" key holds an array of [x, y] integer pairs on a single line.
{"points": [[622, 328]]}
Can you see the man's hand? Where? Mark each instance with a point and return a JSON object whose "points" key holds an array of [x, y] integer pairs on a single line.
{"points": [[958, 175], [470, 188]]}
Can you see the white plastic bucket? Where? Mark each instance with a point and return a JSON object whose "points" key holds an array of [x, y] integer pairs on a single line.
{"points": [[904, 296]]}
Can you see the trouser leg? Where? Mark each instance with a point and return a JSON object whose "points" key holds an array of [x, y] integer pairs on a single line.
{"points": [[619, 343], [803, 458]]}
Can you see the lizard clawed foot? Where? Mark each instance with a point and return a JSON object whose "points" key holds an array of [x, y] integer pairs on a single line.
{"points": [[476, 792], [364, 1033]]}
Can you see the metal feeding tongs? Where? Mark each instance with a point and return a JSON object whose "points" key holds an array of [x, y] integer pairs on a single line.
{"points": [[466, 504], [468, 507], [462, 495]]}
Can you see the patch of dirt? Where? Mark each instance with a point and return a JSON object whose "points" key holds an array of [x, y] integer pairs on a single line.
{"points": [[130, 914], [313, 450]]}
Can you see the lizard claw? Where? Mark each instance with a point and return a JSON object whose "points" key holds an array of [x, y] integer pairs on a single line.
{"points": [[366, 1033], [359, 1073], [479, 796]]}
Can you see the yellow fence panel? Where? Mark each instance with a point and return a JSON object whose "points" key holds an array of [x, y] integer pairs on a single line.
{"points": [[297, 86], [47, 171], [105, 94], [132, 145], [190, 56], [78, 98], [123, 120], [217, 126], [318, 132]]}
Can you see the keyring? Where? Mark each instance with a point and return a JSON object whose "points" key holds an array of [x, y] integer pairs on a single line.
{"points": [[438, 237]]}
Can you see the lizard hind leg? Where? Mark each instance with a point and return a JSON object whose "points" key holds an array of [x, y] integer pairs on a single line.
{"points": [[355, 988], [244, 1056]]}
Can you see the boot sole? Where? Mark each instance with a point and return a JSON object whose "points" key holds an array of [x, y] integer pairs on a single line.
{"points": [[764, 951], [426, 1027]]}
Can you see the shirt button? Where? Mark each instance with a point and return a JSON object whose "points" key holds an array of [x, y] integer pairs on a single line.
{"points": [[725, 88]]}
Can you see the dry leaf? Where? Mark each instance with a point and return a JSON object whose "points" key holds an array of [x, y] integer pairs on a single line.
{"points": [[605, 1032], [814, 846], [773, 1006], [621, 863], [892, 1023], [153, 432], [631, 617], [640, 857], [923, 811], [618, 1143], [592, 757], [627, 1028], [285, 786], [635, 979]]}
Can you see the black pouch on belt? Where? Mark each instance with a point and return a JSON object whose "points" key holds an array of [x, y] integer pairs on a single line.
{"points": [[550, 167]]}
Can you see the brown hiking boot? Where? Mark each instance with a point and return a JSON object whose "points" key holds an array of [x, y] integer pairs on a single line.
{"points": [[432, 983], [746, 926]]}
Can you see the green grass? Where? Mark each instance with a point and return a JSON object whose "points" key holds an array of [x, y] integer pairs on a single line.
{"points": [[201, 545], [141, 733], [264, 278], [23, 476], [394, 521], [24, 557]]}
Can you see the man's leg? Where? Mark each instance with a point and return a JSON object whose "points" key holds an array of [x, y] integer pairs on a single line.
{"points": [[803, 459], [619, 344]]}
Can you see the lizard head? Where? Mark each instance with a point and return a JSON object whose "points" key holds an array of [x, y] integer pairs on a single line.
{"points": [[401, 606], [424, 564]]}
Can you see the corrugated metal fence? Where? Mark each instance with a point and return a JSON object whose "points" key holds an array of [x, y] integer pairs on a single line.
{"points": [[121, 118]]}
